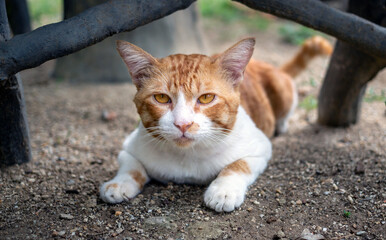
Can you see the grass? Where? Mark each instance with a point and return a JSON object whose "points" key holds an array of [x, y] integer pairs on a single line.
{"points": [[346, 214], [309, 103], [296, 34], [372, 96], [45, 11], [228, 12], [312, 82]]}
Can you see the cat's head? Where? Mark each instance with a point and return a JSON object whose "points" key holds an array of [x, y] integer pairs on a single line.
{"points": [[188, 99]]}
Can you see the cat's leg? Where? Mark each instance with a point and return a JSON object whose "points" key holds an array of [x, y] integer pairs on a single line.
{"points": [[282, 123], [128, 182], [228, 190]]}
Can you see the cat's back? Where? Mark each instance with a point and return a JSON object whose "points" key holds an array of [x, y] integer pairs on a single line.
{"points": [[266, 94]]}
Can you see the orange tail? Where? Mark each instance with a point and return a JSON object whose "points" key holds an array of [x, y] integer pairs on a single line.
{"points": [[311, 48]]}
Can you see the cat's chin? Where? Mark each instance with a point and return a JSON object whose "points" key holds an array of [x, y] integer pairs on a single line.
{"points": [[183, 141]]}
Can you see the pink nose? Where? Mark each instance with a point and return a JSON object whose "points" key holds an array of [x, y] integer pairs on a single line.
{"points": [[183, 127]]}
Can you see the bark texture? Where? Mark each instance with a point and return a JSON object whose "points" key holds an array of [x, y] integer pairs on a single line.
{"points": [[349, 72], [14, 137]]}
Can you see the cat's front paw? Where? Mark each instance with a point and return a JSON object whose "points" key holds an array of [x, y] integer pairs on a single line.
{"points": [[224, 195], [117, 191]]}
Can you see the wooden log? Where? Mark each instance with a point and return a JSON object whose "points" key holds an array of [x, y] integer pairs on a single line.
{"points": [[360, 33], [18, 16], [348, 73], [92, 26], [89, 27], [345, 84], [14, 137], [90, 66]]}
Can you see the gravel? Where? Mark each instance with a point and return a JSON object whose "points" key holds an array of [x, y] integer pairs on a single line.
{"points": [[314, 176]]}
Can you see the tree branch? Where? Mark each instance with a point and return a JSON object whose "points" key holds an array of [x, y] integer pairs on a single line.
{"points": [[358, 32], [92, 26]]}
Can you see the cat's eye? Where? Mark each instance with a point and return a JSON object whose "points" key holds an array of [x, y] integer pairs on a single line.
{"points": [[206, 98], [162, 98]]}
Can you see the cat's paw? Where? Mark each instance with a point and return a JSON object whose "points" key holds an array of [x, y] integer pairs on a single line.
{"points": [[224, 195], [117, 191]]}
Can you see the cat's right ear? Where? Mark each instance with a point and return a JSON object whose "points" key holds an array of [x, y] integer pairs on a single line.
{"points": [[235, 59], [139, 62]]}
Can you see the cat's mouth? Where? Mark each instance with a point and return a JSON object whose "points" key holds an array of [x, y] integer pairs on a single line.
{"points": [[183, 141]]}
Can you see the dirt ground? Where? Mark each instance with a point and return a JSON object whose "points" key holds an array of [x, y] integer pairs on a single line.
{"points": [[328, 181]]}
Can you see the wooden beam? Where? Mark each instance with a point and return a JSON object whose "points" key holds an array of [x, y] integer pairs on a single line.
{"points": [[93, 25], [14, 137], [348, 73], [356, 31]]}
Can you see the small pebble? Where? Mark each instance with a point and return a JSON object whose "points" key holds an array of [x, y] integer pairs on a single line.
{"points": [[70, 182], [66, 216], [281, 201], [360, 233], [359, 168], [271, 220], [299, 202], [108, 116], [31, 180], [280, 234], [118, 213], [350, 199], [54, 233]]}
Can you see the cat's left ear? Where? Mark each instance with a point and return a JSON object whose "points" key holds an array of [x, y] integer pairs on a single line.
{"points": [[235, 59], [139, 62]]}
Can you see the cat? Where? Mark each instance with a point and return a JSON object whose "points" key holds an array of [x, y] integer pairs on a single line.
{"points": [[205, 120]]}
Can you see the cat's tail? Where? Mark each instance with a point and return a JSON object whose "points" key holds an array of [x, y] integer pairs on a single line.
{"points": [[312, 47]]}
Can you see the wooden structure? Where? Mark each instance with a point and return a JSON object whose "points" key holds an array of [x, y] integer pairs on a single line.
{"points": [[359, 37], [14, 139]]}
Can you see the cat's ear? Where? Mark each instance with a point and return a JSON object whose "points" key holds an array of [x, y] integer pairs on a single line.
{"points": [[139, 62], [235, 59]]}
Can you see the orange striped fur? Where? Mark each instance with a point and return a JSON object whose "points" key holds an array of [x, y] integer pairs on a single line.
{"points": [[267, 92]]}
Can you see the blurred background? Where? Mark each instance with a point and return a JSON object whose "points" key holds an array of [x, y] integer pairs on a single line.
{"points": [[208, 27]]}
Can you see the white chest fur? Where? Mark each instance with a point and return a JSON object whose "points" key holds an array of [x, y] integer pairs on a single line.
{"points": [[199, 164]]}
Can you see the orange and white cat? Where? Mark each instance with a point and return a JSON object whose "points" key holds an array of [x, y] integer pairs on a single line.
{"points": [[205, 120]]}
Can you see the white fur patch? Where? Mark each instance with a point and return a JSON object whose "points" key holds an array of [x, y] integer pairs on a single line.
{"points": [[201, 163]]}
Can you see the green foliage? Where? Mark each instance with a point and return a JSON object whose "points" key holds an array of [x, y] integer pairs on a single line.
{"points": [[44, 11], [309, 103], [219, 9], [295, 34], [313, 83], [346, 214], [226, 11], [372, 96]]}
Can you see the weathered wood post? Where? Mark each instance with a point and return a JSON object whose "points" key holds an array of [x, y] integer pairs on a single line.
{"points": [[18, 16], [349, 72], [14, 140]]}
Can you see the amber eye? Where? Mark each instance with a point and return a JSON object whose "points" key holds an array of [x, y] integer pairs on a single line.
{"points": [[206, 98], [162, 98]]}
